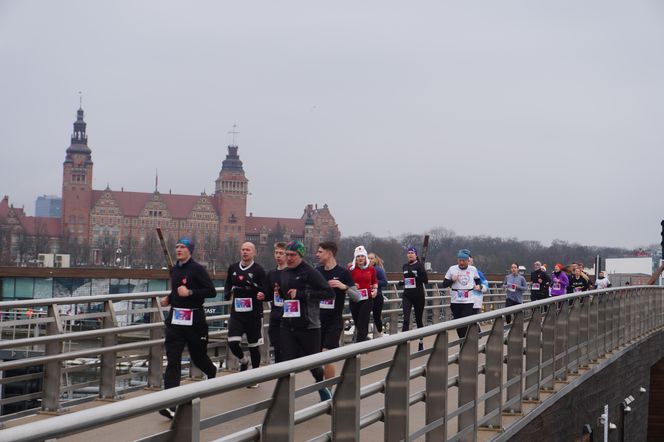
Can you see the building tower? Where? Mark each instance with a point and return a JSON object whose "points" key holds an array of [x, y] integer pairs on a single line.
{"points": [[231, 189], [77, 185]]}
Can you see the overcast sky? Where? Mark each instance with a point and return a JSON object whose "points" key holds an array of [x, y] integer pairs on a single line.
{"points": [[528, 119]]}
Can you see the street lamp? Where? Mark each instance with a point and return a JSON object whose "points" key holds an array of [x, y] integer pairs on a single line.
{"points": [[118, 260]]}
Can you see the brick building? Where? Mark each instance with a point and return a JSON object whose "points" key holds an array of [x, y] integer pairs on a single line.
{"points": [[116, 226]]}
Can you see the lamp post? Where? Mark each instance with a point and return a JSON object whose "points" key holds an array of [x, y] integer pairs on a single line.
{"points": [[118, 260]]}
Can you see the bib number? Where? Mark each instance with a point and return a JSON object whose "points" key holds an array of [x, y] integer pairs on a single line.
{"points": [[578, 289], [535, 286], [409, 283], [327, 304], [556, 286], [243, 305], [182, 316], [364, 294], [278, 300], [292, 308], [512, 288]]}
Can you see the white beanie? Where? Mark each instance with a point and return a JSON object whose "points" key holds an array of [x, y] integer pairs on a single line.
{"points": [[360, 251]]}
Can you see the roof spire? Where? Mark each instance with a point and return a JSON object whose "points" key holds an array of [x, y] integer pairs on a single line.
{"points": [[80, 100], [156, 180], [234, 132]]}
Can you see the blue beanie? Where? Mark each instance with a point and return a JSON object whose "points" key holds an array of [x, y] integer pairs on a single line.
{"points": [[412, 249], [187, 242], [463, 254]]}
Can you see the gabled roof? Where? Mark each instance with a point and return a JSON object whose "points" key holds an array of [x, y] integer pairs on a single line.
{"points": [[131, 203], [291, 225]]}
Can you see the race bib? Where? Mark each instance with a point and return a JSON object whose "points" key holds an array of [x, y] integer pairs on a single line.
{"points": [[477, 299], [556, 286], [182, 316], [243, 305], [512, 288], [462, 294], [578, 289], [292, 308], [409, 283], [535, 286], [278, 300], [364, 294], [327, 304]]}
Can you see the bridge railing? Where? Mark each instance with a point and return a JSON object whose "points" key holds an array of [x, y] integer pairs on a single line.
{"points": [[77, 348], [460, 385]]}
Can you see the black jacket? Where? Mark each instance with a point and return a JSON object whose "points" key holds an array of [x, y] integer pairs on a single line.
{"points": [[193, 276], [311, 287], [415, 270]]}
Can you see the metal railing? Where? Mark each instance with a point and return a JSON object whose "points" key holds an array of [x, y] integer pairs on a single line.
{"points": [[84, 347], [495, 369]]}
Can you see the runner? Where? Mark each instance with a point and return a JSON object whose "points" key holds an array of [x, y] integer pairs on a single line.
{"points": [[577, 283], [462, 279], [245, 281], [377, 309], [540, 282], [515, 285], [478, 295], [602, 281], [559, 281], [414, 278], [186, 324], [304, 289], [275, 297], [365, 279], [331, 310]]}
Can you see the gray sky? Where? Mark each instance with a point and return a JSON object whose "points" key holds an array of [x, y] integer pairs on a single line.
{"points": [[488, 118]]}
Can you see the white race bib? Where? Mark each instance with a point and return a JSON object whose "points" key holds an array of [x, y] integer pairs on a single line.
{"points": [[409, 283], [535, 286], [292, 308], [512, 288], [243, 305], [278, 300], [556, 286], [182, 316], [364, 294], [578, 289], [327, 304]]}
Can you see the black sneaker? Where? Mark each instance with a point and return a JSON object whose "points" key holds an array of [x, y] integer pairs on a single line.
{"points": [[167, 412], [420, 346], [244, 366], [254, 385]]}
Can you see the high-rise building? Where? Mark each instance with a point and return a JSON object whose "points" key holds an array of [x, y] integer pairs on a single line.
{"points": [[48, 206]]}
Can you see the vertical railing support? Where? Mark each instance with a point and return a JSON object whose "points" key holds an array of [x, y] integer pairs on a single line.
{"points": [[186, 425], [583, 339], [548, 347], [279, 421], [156, 352], [573, 337], [468, 357], [108, 360], [593, 329], [397, 395], [515, 365], [394, 316], [493, 375], [436, 313], [533, 345], [53, 370], [436, 389], [346, 403], [560, 352]]}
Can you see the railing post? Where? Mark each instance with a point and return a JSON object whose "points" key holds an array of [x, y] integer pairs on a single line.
{"points": [[533, 345], [265, 345], [186, 425], [394, 316], [601, 325], [584, 316], [397, 395], [560, 361], [493, 375], [438, 302], [548, 347], [156, 352], [279, 420], [515, 365], [468, 357], [615, 321], [108, 360], [436, 389], [593, 331], [573, 337], [53, 370], [346, 403]]}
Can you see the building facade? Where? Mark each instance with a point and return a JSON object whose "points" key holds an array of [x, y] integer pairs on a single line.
{"points": [[117, 227]]}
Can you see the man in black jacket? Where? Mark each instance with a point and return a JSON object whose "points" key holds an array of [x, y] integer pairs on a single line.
{"points": [[303, 288], [540, 282], [186, 324]]}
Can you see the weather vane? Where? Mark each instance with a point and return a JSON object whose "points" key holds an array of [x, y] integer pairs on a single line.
{"points": [[234, 132], [80, 99]]}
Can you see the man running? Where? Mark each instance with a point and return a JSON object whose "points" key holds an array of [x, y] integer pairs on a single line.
{"points": [[462, 279], [274, 295], [244, 284], [331, 310], [304, 288], [540, 282], [186, 324]]}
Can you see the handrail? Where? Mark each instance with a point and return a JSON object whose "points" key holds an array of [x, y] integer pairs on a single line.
{"points": [[587, 326]]}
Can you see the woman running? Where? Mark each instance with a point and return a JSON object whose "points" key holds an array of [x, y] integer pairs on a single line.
{"points": [[377, 309], [366, 282], [414, 278]]}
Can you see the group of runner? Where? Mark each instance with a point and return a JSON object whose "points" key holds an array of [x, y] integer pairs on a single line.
{"points": [[307, 304]]}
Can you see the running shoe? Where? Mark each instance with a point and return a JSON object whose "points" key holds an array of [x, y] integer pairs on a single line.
{"points": [[325, 394], [167, 412]]}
